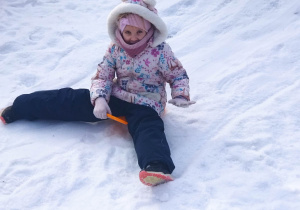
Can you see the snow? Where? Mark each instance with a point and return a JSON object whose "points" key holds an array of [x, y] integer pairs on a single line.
{"points": [[236, 148]]}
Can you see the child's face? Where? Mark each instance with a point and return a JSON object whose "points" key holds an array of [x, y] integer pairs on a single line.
{"points": [[133, 34]]}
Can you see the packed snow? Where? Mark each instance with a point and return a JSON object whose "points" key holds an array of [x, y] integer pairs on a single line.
{"points": [[236, 148]]}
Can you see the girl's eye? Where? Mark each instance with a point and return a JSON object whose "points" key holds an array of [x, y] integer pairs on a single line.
{"points": [[127, 32], [140, 32]]}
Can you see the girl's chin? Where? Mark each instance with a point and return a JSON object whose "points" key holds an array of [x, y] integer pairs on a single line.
{"points": [[131, 43]]}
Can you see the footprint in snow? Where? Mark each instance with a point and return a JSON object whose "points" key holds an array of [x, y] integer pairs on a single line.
{"points": [[9, 47]]}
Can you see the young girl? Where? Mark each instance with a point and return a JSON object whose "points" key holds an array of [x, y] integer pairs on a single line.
{"points": [[130, 82]]}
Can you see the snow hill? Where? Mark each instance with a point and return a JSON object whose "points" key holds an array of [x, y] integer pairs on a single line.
{"points": [[236, 148]]}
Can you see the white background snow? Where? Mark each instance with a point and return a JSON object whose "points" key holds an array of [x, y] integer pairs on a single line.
{"points": [[236, 148]]}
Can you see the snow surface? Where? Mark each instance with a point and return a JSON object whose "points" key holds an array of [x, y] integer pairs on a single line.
{"points": [[236, 148]]}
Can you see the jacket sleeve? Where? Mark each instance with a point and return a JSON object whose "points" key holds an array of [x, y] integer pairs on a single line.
{"points": [[102, 81], [174, 72]]}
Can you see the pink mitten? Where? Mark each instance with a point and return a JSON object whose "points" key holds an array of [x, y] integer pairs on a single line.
{"points": [[101, 108], [180, 102]]}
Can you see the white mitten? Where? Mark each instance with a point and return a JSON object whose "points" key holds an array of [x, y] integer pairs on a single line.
{"points": [[101, 108], [181, 102]]}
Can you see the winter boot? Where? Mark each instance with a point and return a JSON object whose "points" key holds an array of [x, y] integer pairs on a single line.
{"points": [[7, 115], [154, 174]]}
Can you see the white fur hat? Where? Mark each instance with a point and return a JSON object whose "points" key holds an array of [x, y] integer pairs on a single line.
{"points": [[143, 8]]}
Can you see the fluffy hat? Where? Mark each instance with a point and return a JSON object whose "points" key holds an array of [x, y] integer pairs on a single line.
{"points": [[143, 8], [134, 20]]}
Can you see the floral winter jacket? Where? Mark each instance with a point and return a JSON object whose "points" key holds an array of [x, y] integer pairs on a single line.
{"points": [[142, 79]]}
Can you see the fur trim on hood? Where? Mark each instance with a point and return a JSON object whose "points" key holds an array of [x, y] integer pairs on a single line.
{"points": [[143, 8]]}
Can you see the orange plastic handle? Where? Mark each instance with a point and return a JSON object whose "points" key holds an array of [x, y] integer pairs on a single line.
{"points": [[121, 119]]}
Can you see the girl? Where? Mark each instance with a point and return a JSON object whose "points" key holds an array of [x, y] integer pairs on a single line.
{"points": [[130, 82]]}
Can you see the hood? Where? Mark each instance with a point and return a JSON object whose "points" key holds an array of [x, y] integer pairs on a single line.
{"points": [[143, 8]]}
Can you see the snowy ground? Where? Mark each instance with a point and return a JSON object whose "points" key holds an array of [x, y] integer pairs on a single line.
{"points": [[236, 148]]}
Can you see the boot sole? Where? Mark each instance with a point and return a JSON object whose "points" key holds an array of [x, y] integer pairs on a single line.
{"points": [[2, 119], [151, 178]]}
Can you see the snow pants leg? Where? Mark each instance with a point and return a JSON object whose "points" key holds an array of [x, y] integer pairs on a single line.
{"points": [[147, 130], [64, 104]]}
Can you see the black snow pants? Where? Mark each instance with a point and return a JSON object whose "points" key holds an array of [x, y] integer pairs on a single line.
{"points": [[67, 104]]}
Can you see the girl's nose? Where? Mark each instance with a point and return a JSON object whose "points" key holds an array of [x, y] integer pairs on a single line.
{"points": [[134, 40]]}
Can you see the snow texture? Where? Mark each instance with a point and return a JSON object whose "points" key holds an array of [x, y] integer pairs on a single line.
{"points": [[236, 148]]}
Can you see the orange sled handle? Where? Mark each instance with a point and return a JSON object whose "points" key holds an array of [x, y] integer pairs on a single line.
{"points": [[118, 119]]}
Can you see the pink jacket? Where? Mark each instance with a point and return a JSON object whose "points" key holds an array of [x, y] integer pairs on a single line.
{"points": [[142, 79]]}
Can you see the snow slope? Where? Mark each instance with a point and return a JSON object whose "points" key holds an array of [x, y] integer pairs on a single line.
{"points": [[236, 148]]}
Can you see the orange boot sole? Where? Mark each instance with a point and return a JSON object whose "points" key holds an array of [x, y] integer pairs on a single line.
{"points": [[2, 119], [152, 178]]}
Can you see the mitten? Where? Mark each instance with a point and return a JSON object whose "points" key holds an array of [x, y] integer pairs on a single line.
{"points": [[101, 108], [181, 102]]}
